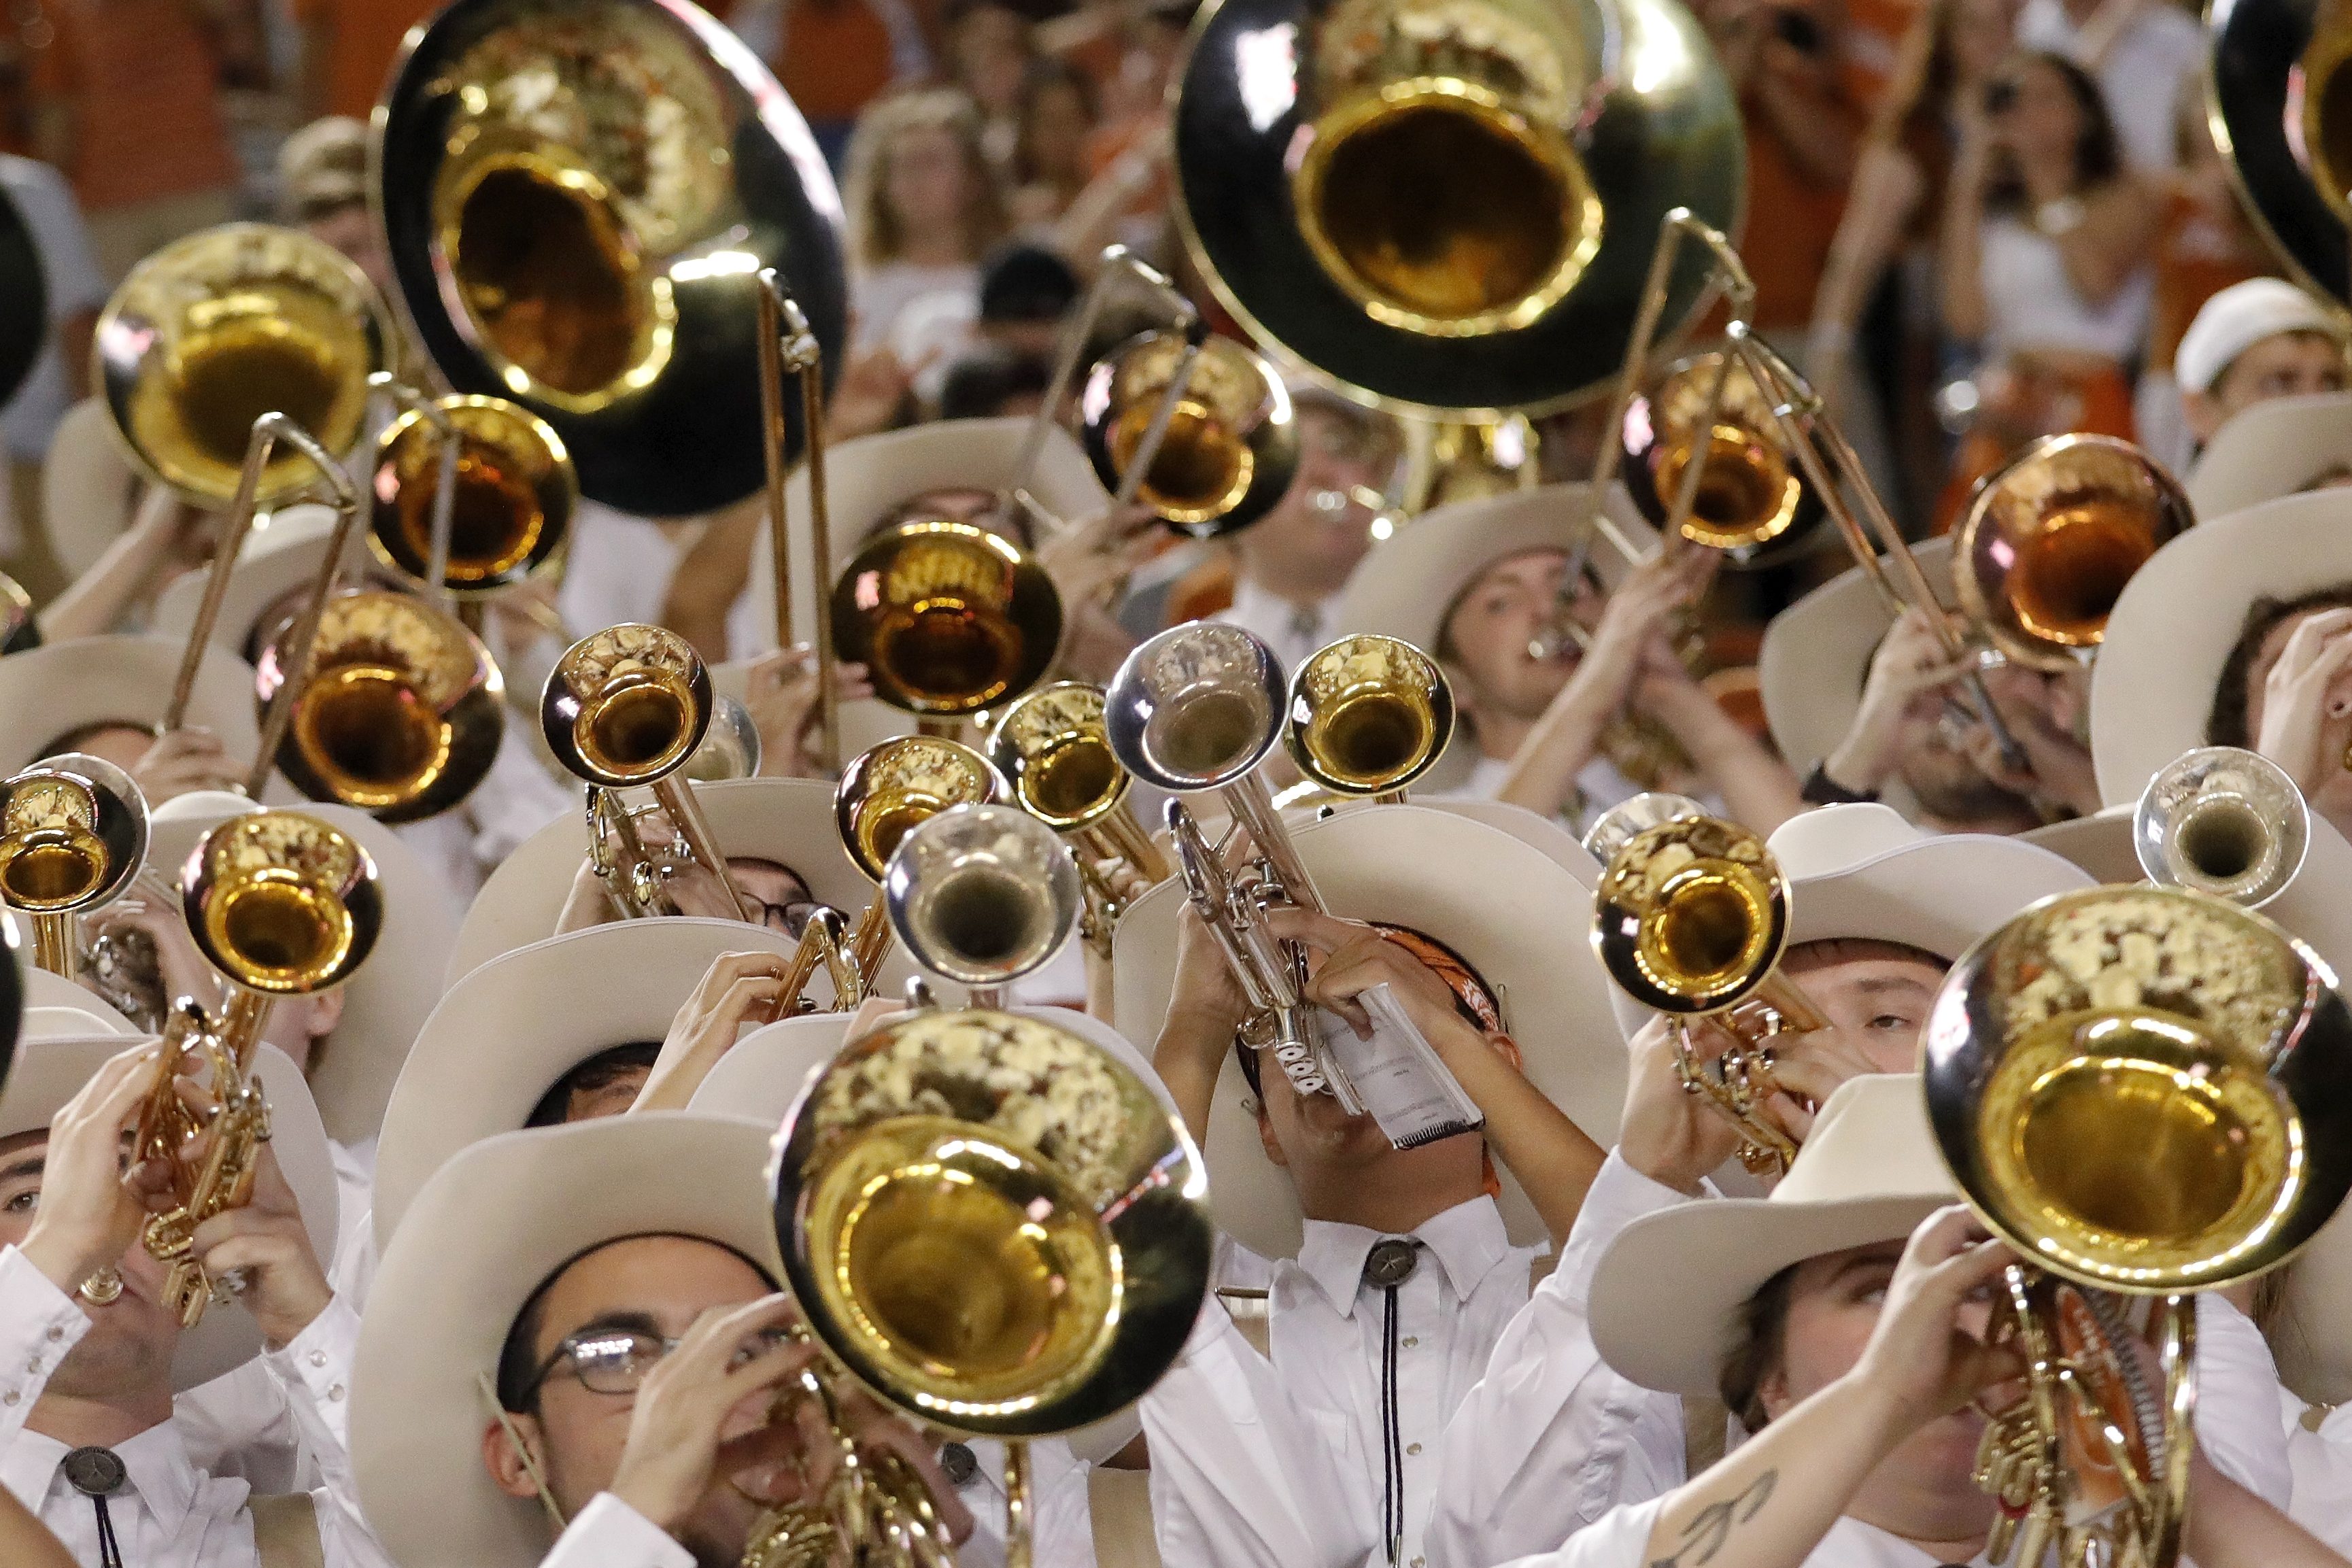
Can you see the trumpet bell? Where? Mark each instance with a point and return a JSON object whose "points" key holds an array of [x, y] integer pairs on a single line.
{"points": [[886, 790], [1232, 446], [73, 832], [2133, 1085], [1449, 206], [982, 894], [948, 617], [627, 706], [212, 331], [1752, 504], [1052, 749], [403, 712], [1615, 829], [1026, 1263], [731, 748], [2222, 821], [1691, 916], [2280, 107], [2052, 537], [282, 903], [603, 277], [516, 495], [1369, 714], [1196, 708]]}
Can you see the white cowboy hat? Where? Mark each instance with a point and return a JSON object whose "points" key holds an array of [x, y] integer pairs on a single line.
{"points": [[53, 994], [1861, 872], [47, 691], [87, 488], [1543, 835], [508, 1030], [868, 479], [352, 1071], [1510, 913], [1666, 1295], [2277, 447], [283, 553], [2101, 844], [50, 1070], [1817, 652], [489, 1229], [789, 821], [2152, 684]]}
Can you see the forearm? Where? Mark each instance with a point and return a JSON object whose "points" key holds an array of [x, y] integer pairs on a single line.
{"points": [[97, 601], [2229, 1527], [709, 575], [1187, 1055], [1542, 775], [1814, 129], [1960, 255], [1758, 788], [1868, 757], [1885, 188], [24, 1541], [1768, 1502], [1535, 1140]]}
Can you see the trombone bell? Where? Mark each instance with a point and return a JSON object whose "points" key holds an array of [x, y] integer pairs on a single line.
{"points": [[1232, 445], [948, 617], [515, 495], [1750, 496]]}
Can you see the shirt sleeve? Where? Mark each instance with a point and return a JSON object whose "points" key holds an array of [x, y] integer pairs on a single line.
{"points": [[2238, 1403], [314, 1370], [1552, 1438], [609, 1533], [2321, 1452], [39, 1324], [1241, 1475]]}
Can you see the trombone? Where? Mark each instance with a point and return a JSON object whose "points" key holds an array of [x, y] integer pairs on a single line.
{"points": [[886, 793], [2134, 1128], [1691, 918], [73, 832], [470, 496], [1052, 749]]}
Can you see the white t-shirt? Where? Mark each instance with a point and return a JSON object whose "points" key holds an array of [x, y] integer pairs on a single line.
{"points": [[879, 294], [70, 274]]}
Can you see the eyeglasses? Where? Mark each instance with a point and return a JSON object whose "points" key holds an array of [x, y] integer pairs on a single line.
{"points": [[615, 1361], [790, 917]]}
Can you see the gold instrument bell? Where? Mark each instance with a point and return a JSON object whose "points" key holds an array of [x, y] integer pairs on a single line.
{"points": [[212, 331], [2280, 105], [1232, 445], [948, 617], [578, 197], [514, 500], [1369, 714], [2052, 537], [73, 832], [1753, 502], [1448, 205]]}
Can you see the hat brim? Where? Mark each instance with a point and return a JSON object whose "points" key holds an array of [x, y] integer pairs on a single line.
{"points": [[509, 1030], [789, 821], [1512, 913], [2272, 449], [285, 552], [47, 691], [44, 990], [490, 1227], [354, 1069], [49, 1071], [2171, 632], [2101, 844], [1666, 1294]]}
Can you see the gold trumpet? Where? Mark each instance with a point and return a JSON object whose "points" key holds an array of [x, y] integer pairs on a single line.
{"points": [[1691, 918], [626, 707], [1054, 749], [1368, 715], [20, 627], [73, 832], [885, 793], [282, 905], [211, 333], [2132, 1088]]}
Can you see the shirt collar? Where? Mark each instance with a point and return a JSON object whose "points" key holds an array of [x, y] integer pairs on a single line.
{"points": [[1255, 606], [155, 1462], [1466, 1241]]}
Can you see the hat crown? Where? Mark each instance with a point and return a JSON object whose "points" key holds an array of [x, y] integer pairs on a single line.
{"points": [[1870, 1140], [1831, 838]]}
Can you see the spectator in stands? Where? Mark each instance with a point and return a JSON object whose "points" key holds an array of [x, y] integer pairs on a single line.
{"points": [[1049, 161], [837, 57], [989, 56], [2135, 49], [922, 208]]}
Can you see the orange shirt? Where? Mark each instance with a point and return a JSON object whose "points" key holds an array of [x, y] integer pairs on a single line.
{"points": [[2196, 258], [362, 40], [142, 80], [837, 57], [1790, 223]]}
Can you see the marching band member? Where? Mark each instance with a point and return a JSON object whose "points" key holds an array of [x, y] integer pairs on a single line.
{"points": [[88, 1438], [2255, 343], [1382, 1277], [572, 1351], [107, 696], [1544, 710]]}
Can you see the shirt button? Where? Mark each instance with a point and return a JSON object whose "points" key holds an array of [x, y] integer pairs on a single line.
{"points": [[11, 1398], [1420, 1561], [1410, 1340], [318, 1358], [55, 1332], [336, 1392], [1413, 1448]]}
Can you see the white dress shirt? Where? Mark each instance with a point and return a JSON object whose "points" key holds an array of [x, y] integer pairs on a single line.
{"points": [[172, 1512], [2321, 1455], [617, 568], [1279, 1462], [1552, 1439], [1599, 786], [1294, 632]]}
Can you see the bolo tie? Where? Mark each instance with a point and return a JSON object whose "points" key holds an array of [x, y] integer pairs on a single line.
{"points": [[1389, 1265], [98, 1474]]}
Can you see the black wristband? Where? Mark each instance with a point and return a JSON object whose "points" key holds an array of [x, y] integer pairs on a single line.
{"points": [[1819, 789]]}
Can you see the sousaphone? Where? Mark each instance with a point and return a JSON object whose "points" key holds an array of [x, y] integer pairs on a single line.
{"points": [[2278, 103]]}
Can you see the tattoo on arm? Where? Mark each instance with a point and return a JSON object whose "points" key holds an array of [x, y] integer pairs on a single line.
{"points": [[1705, 1536]]}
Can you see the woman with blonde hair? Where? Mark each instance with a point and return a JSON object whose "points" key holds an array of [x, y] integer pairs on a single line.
{"points": [[923, 208]]}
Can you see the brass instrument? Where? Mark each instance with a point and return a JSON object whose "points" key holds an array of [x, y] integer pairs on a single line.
{"points": [[213, 331], [1448, 208], [73, 832], [281, 904], [883, 793], [948, 617], [788, 345], [20, 627], [2275, 98], [1054, 751], [996, 1225], [1691, 918], [26, 288], [2134, 1087], [2051, 538], [982, 895], [625, 709], [1750, 502], [510, 487], [731, 748], [2225, 822], [1368, 715], [578, 198]]}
